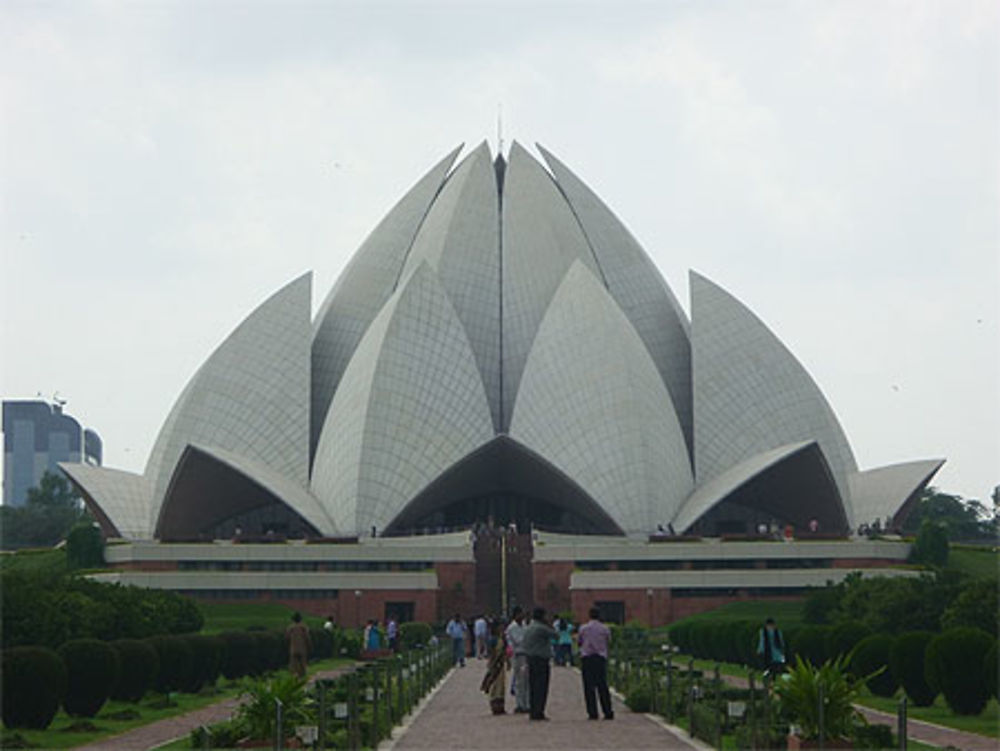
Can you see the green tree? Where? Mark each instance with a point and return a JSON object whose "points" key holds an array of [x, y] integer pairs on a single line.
{"points": [[976, 606], [85, 546], [962, 518], [50, 511], [931, 545]]}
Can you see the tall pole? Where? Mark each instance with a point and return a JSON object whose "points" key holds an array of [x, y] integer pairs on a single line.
{"points": [[503, 572]]}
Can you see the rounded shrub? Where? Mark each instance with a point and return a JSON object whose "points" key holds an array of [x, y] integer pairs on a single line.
{"points": [[91, 673], [844, 637], [990, 669], [239, 656], [810, 644], [33, 681], [869, 655], [906, 661], [176, 663], [138, 664], [206, 654], [413, 633], [954, 666]]}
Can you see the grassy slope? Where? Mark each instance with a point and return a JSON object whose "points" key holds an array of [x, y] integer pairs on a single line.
{"points": [[224, 616], [785, 613], [975, 561]]}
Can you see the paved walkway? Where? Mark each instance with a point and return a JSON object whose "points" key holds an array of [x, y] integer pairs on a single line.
{"points": [[157, 733], [458, 717], [916, 730]]}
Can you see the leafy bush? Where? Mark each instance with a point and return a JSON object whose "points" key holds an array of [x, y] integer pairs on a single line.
{"points": [[976, 605], [222, 735], [138, 664], [48, 608], [845, 636], [931, 545], [322, 643], [91, 673], [990, 669], [906, 661], [33, 680], [873, 737], [810, 644], [240, 654], [85, 546], [799, 694], [821, 604], [176, 663], [256, 712], [954, 666], [413, 633], [639, 699], [870, 657]]}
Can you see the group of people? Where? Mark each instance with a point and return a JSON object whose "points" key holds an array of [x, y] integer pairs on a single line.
{"points": [[525, 647], [373, 639]]}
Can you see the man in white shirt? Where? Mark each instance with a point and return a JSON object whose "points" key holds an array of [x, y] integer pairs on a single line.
{"points": [[457, 630], [482, 632], [519, 672]]}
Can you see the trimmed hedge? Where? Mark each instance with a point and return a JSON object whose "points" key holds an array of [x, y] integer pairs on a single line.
{"points": [[872, 654], [239, 657], [845, 636], [138, 665], [906, 660], [206, 656], [990, 669], [176, 663], [727, 641], [92, 670], [272, 651], [811, 644], [33, 680], [955, 667]]}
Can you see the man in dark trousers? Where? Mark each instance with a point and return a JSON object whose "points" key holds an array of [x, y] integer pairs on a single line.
{"points": [[594, 639], [537, 647]]}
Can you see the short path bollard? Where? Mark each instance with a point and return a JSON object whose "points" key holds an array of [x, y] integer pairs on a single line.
{"points": [[279, 730], [901, 722]]}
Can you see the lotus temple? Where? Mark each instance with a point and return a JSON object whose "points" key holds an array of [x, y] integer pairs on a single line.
{"points": [[500, 400]]}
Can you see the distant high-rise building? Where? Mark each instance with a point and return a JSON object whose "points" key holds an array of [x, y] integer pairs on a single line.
{"points": [[37, 436]]}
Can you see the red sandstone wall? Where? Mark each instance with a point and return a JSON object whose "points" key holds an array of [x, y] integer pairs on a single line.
{"points": [[550, 580], [456, 590]]}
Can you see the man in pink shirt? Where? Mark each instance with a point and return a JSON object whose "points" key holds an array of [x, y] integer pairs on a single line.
{"points": [[594, 638]]}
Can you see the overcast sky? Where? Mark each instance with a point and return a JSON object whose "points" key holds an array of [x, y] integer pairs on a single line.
{"points": [[168, 165]]}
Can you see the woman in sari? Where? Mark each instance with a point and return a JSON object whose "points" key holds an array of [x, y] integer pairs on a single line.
{"points": [[495, 681]]}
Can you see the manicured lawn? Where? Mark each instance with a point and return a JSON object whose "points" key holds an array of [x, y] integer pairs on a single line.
{"points": [[58, 736], [987, 723], [225, 616], [975, 561], [785, 613]]}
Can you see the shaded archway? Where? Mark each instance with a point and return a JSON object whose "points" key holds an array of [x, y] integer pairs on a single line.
{"points": [[505, 480], [208, 498], [796, 490]]}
